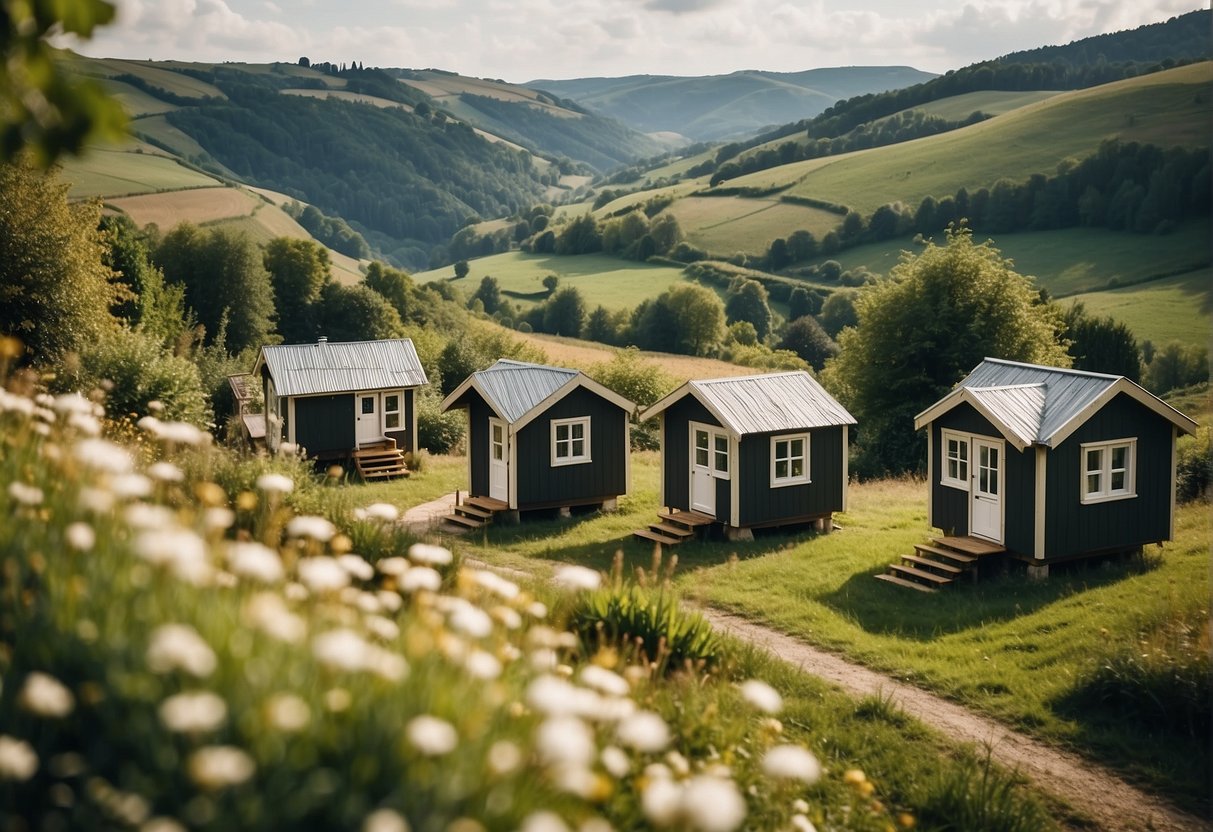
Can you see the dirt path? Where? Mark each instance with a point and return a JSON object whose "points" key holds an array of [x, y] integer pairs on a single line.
{"points": [[1093, 790]]}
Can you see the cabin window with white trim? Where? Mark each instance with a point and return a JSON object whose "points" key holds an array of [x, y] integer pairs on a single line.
{"points": [[789, 460], [1108, 470], [570, 441], [955, 471], [391, 411]]}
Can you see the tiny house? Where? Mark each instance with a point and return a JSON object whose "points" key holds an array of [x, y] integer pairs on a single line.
{"points": [[341, 399], [752, 452], [542, 437], [1052, 464]]}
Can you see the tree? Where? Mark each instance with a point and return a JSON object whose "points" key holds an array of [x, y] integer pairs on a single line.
{"points": [[802, 245], [46, 109], [579, 237], [1101, 344], [461, 269], [299, 270], [697, 316], [564, 313], [489, 294], [919, 333], [356, 313], [805, 337], [749, 303], [778, 255], [838, 312], [550, 282], [1175, 366], [224, 279], [397, 288], [152, 306], [55, 290], [801, 303]]}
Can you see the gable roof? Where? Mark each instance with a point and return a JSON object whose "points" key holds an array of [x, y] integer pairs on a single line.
{"points": [[342, 366], [1034, 405], [762, 403], [518, 391]]}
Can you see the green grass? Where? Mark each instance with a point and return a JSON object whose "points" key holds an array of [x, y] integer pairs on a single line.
{"points": [[106, 172], [135, 101], [1174, 309], [439, 475], [1167, 108], [993, 102], [724, 225], [1010, 648], [159, 74], [614, 283]]}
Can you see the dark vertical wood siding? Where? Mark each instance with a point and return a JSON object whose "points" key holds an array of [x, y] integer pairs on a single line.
{"points": [[604, 476], [325, 423], [405, 440], [676, 450], [1072, 528], [760, 503], [950, 506], [478, 443]]}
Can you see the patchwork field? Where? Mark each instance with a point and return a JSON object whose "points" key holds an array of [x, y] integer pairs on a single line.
{"points": [[118, 172], [343, 95], [571, 352], [135, 101], [1173, 309], [724, 225], [198, 205]]}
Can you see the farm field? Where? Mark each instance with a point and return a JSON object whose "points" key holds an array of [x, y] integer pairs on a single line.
{"points": [[1016, 650], [724, 225], [1165, 108], [156, 129], [344, 95], [160, 75], [1178, 308], [614, 283], [135, 101], [198, 205], [117, 172]]}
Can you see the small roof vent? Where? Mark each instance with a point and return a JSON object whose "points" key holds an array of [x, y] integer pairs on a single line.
{"points": [[322, 341]]}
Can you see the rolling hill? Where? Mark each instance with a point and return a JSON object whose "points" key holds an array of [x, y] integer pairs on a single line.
{"points": [[716, 107]]}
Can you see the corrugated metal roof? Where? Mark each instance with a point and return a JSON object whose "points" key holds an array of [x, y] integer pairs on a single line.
{"points": [[1019, 407], [514, 387], [772, 402], [343, 366], [1066, 392]]}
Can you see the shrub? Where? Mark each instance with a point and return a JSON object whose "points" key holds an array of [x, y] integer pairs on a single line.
{"points": [[438, 432], [1194, 466]]}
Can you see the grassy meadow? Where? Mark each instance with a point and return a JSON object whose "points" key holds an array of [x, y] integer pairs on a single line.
{"points": [[574, 352], [126, 171], [725, 225], [1026, 653], [1172, 309]]}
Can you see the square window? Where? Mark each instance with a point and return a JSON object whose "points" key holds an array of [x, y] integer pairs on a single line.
{"points": [[571, 441], [1108, 470], [789, 460], [955, 463]]}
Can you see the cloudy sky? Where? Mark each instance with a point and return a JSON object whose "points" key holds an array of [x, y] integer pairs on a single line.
{"points": [[521, 40]]}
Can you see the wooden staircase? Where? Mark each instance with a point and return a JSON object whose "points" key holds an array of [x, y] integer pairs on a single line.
{"points": [[674, 526], [474, 512], [380, 461], [940, 563]]}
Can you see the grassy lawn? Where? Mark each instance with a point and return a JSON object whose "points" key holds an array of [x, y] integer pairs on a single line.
{"points": [[118, 172], [1174, 309], [728, 224], [1013, 649], [439, 475]]}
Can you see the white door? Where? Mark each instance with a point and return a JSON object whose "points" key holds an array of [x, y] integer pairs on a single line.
{"points": [[985, 513], [709, 462], [367, 427], [499, 461]]}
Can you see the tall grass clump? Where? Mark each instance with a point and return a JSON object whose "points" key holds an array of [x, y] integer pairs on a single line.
{"points": [[979, 796], [183, 647]]}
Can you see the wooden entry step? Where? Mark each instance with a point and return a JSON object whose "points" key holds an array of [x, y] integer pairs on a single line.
{"points": [[383, 460], [674, 527], [474, 512], [940, 563], [893, 579]]}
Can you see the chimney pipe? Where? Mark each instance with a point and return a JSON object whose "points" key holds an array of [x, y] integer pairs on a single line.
{"points": [[322, 341]]}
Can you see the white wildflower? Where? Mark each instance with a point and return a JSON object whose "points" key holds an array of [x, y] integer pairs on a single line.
{"points": [[182, 433], [130, 486], [96, 500], [269, 613], [15, 403], [801, 823], [385, 512], [432, 736], [565, 741], [429, 554], [606, 681], [287, 712], [193, 712], [338, 700], [504, 757], [26, 495], [494, 583], [162, 823], [165, 472], [218, 766], [306, 525], [644, 731], [419, 578], [616, 761], [469, 619], [543, 821], [295, 591], [179, 647], [482, 665], [394, 565], [537, 610], [287, 448], [713, 804], [356, 566], [762, 696], [341, 649], [44, 695], [180, 550], [18, 761], [791, 762], [577, 577], [103, 455], [72, 403], [322, 574], [508, 616], [80, 536], [85, 423], [275, 483], [147, 516], [384, 820], [249, 559], [544, 659], [661, 801], [384, 628], [218, 518], [389, 601]]}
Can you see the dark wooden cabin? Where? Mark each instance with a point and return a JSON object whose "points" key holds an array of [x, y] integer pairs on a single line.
{"points": [[753, 451], [1052, 464], [354, 399], [543, 437]]}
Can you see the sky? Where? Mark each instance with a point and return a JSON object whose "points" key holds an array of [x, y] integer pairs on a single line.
{"points": [[523, 40]]}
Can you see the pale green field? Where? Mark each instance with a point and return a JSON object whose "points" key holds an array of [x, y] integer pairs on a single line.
{"points": [[613, 283], [135, 101], [724, 225], [1167, 108], [158, 74], [1173, 309], [994, 102], [343, 95], [112, 172], [184, 145]]}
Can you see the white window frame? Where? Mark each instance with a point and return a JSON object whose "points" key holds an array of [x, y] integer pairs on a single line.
{"points": [[570, 459], [1105, 493], [398, 412], [803, 477], [962, 440]]}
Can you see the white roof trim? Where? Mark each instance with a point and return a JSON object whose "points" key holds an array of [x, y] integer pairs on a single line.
{"points": [[964, 395], [1133, 391], [579, 380], [668, 399], [458, 392]]}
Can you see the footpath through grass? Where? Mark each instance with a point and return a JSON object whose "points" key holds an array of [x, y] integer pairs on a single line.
{"points": [[1073, 660]]}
